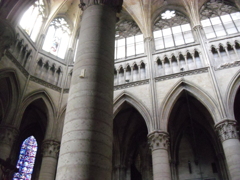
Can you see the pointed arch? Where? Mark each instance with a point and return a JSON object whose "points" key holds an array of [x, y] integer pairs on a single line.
{"points": [[196, 92], [126, 97], [14, 91], [231, 93], [50, 109]]}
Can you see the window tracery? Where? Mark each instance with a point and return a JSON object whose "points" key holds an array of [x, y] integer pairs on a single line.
{"points": [[219, 18], [56, 40], [172, 29], [26, 159], [128, 40], [32, 19]]}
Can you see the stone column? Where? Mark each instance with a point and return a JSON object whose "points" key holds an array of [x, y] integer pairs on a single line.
{"points": [[50, 150], [7, 36], [86, 146], [159, 144], [8, 136], [228, 135]]}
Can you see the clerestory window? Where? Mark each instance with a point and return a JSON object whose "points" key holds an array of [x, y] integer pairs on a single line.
{"points": [[219, 19], [26, 159], [172, 29], [57, 38], [128, 40], [32, 19]]}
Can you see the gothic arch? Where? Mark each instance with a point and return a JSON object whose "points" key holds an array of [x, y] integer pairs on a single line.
{"points": [[51, 110], [232, 90], [14, 92], [175, 93], [126, 97]]}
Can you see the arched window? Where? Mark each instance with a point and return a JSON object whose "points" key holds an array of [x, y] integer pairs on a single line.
{"points": [[32, 19], [219, 19], [172, 29], [128, 40], [26, 159], [56, 40]]}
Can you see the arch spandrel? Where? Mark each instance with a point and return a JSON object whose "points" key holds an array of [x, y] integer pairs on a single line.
{"points": [[127, 98], [196, 92], [230, 96]]}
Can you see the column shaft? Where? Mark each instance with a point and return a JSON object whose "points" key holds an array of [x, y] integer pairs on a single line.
{"points": [[86, 147], [159, 145], [227, 132]]}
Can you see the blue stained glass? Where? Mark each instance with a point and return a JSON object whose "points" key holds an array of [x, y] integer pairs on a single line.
{"points": [[26, 159]]}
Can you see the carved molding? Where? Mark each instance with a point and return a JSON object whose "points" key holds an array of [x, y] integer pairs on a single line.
{"points": [[227, 129], [181, 74], [46, 84], [8, 135], [158, 140], [116, 4], [229, 65], [50, 148], [131, 84]]}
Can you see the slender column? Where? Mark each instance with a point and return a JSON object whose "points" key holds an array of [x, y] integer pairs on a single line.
{"points": [[159, 145], [185, 57], [163, 65], [194, 60], [8, 136], [86, 146], [139, 72], [219, 55], [235, 51], [125, 74], [226, 50], [131, 80], [50, 150], [117, 77], [227, 133]]}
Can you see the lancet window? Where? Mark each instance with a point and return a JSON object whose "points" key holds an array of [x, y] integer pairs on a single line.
{"points": [[57, 38], [128, 40], [26, 159], [220, 18], [32, 19], [172, 29]]}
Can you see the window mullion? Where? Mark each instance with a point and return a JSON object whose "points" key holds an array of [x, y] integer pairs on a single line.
{"points": [[183, 34], [234, 23], [213, 28]]}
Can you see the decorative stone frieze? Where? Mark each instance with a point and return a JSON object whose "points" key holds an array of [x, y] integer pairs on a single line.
{"points": [[131, 84], [50, 148], [181, 74], [158, 140], [8, 135], [7, 36], [227, 130], [117, 4]]}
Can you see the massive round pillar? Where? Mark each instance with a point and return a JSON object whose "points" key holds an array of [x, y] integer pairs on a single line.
{"points": [[160, 160], [50, 150], [86, 146], [227, 132]]}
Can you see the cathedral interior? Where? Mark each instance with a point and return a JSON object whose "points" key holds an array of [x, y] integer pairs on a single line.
{"points": [[119, 89]]}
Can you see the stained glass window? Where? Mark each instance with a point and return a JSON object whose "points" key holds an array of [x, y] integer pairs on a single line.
{"points": [[56, 40], [32, 19], [26, 159]]}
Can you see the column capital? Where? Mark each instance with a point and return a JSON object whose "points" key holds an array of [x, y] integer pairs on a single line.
{"points": [[116, 4], [227, 129], [158, 140], [8, 135], [50, 148]]}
